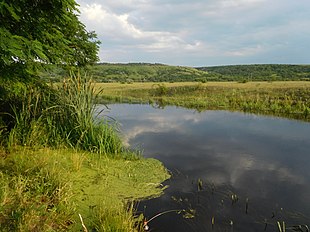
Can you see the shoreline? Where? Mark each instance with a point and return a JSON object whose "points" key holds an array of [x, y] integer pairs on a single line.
{"points": [[100, 189]]}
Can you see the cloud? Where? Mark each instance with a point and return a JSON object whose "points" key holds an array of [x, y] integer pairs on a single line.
{"points": [[199, 32], [245, 51], [119, 28], [240, 3], [111, 23], [171, 134]]}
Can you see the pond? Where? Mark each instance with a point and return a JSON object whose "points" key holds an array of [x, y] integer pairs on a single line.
{"points": [[230, 171]]}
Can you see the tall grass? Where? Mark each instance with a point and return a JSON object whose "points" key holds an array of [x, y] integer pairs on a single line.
{"points": [[46, 190], [76, 120], [118, 219], [63, 116], [40, 188], [285, 99], [33, 196]]}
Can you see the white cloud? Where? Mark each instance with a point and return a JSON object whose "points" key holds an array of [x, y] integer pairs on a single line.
{"points": [[109, 22], [199, 32], [240, 3], [245, 51], [118, 27]]}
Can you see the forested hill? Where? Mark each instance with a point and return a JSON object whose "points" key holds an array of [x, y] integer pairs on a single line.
{"points": [[135, 72], [266, 72], [145, 72]]}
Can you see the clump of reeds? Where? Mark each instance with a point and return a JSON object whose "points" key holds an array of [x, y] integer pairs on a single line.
{"points": [[63, 116], [77, 122], [117, 218]]}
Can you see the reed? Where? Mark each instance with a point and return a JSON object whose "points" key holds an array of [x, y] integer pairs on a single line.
{"points": [[42, 178], [63, 116], [286, 99], [76, 122], [119, 218], [281, 228]]}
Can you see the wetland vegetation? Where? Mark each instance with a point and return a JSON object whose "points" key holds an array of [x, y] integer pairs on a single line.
{"points": [[280, 98], [61, 168], [276, 89], [58, 162]]}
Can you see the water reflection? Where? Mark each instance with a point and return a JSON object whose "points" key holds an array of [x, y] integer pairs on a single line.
{"points": [[263, 160]]}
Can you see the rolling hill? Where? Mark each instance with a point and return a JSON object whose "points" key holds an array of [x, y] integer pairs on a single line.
{"points": [[145, 72]]}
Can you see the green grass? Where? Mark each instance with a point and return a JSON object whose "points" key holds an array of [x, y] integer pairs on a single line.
{"points": [[34, 195], [286, 99], [61, 116], [58, 161], [46, 190]]}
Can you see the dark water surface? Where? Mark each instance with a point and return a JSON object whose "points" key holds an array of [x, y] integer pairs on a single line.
{"points": [[243, 172]]}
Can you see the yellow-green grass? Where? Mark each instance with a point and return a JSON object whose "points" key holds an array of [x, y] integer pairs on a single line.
{"points": [[118, 87], [282, 98], [47, 190]]}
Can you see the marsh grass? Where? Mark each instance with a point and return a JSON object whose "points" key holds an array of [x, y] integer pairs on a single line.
{"points": [[77, 121], [63, 116], [50, 170], [46, 189], [285, 99], [78, 160], [121, 218], [34, 195]]}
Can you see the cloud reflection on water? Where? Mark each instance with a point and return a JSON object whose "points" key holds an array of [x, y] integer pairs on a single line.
{"points": [[259, 157]]}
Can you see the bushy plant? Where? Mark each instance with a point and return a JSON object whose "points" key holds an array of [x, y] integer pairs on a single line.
{"points": [[62, 115]]}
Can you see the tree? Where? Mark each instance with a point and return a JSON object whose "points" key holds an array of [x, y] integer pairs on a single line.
{"points": [[38, 32]]}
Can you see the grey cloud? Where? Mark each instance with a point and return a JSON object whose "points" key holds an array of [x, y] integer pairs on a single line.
{"points": [[200, 32]]}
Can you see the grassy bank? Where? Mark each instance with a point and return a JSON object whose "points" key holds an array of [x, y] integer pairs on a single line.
{"points": [[286, 99], [46, 190], [64, 169]]}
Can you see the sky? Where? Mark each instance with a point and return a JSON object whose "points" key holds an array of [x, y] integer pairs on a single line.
{"points": [[200, 32]]}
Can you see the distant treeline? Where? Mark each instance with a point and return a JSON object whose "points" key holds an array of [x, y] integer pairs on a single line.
{"points": [[145, 72], [257, 72]]}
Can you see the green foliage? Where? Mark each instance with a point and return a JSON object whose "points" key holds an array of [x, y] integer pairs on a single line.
{"points": [[76, 118], [260, 72], [160, 90], [143, 72], [33, 33], [63, 116]]}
